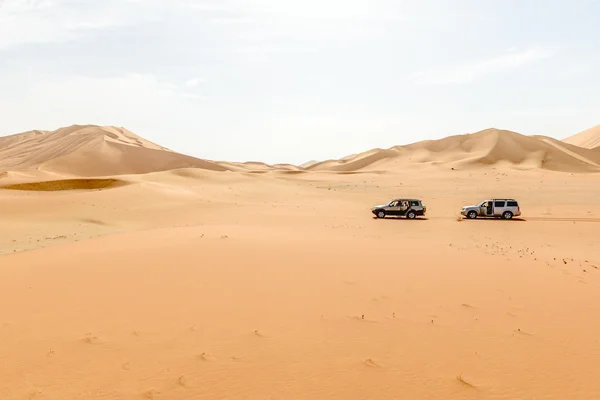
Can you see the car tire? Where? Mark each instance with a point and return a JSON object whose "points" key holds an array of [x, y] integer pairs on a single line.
{"points": [[380, 214], [507, 215], [472, 214], [411, 215]]}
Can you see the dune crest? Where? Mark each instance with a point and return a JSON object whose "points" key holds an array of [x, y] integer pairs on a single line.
{"points": [[90, 150], [100, 151], [589, 139], [480, 149]]}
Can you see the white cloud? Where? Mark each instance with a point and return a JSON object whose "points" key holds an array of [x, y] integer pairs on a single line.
{"points": [[232, 20], [466, 73], [51, 21], [194, 82], [18, 6]]}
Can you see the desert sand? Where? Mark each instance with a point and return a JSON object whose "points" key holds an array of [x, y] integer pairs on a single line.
{"points": [[589, 139], [129, 271]]}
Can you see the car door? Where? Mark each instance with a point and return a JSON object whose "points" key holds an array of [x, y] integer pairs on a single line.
{"points": [[393, 208], [403, 206], [483, 210], [499, 207]]}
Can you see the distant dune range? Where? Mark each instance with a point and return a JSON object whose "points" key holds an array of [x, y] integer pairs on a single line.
{"points": [[99, 151], [484, 148]]}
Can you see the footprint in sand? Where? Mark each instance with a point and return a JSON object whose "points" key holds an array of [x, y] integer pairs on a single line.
{"points": [[151, 394], [370, 363], [90, 339]]}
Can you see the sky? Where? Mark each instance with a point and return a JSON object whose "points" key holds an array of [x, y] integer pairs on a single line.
{"points": [[299, 80]]}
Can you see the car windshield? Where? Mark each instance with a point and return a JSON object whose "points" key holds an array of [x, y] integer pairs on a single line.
{"points": [[481, 203]]}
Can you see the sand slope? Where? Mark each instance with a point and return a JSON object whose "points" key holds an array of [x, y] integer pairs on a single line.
{"points": [[276, 282], [258, 167], [484, 148], [589, 139], [91, 150], [94, 151], [209, 285]]}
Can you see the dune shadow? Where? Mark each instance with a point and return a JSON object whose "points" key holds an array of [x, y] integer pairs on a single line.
{"points": [[67, 184], [397, 218]]}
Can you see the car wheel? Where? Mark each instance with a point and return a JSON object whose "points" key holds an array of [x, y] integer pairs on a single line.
{"points": [[380, 214], [472, 215], [411, 215], [507, 215]]}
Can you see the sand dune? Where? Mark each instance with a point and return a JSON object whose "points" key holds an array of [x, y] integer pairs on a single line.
{"points": [[484, 148], [255, 166], [91, 151], [128, 271], [357, 162], [309, 163], [589, 139], [94, 151]]}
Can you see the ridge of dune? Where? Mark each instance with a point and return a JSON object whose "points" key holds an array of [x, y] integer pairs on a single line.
{"points": [[356, 162], [318, 165], [91, 150], [495, 146], [259, 167], [308, 164], [588, 139], [484, 148], [589, 156]]}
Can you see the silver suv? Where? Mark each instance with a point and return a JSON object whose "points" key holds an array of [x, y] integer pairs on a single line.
{"points": [[494, 208], [410, 208]]}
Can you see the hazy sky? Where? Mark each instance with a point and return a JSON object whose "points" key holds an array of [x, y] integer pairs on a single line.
{"points": [[295, 80]]}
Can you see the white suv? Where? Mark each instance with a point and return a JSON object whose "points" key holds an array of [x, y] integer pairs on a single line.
{"points": [[494, 208]]}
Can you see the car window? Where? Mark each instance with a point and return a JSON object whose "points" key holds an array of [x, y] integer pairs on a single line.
{"points": [[513, 204], [414, 203], [499, 203]]}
